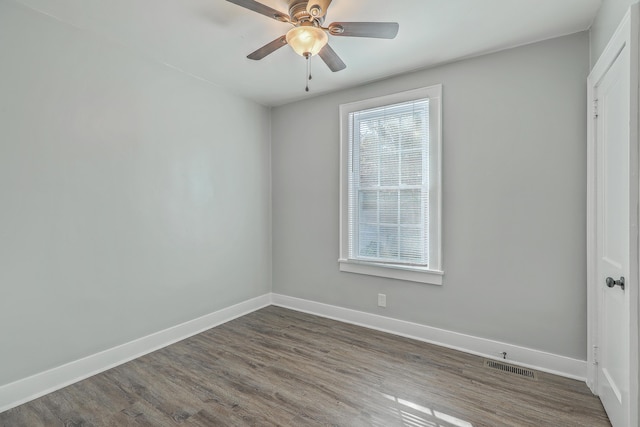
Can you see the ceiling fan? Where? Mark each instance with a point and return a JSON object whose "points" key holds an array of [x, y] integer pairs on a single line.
{"points": [[309, 37]]}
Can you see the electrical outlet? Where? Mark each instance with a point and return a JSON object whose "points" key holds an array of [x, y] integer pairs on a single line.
{"points": [[382, 300]]}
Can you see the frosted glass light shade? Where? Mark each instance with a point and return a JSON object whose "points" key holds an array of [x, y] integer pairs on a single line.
{"points": [[307, 40]]}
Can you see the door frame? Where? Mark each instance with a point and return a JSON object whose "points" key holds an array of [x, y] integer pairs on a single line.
{"points": [[627, 35]]}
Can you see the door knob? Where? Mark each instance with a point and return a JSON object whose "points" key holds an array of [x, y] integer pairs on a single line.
{"points": [[611, 283]]}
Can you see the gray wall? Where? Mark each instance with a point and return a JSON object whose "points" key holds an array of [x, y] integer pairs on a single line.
{"points": [[133, 197], [514, 200], [609, 16]]}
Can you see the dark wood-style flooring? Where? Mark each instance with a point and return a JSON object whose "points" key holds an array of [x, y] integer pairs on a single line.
{"points": [[281, 367]]}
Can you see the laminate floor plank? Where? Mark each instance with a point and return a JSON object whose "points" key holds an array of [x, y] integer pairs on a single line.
{"points": [[278, 367]]}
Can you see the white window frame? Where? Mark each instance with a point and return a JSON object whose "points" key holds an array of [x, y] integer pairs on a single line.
{"points": [[433, 273]]}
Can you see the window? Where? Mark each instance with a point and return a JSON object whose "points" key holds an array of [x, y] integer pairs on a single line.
{"points": [[390, 186]]}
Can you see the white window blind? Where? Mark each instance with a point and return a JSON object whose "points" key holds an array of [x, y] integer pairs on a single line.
{"points": [[388, 184]]}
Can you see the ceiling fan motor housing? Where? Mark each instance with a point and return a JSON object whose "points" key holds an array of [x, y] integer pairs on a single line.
{"points": [[298, 12]]}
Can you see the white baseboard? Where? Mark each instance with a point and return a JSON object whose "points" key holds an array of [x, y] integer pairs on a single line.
{"points": [[522, 356], [24, 390]]}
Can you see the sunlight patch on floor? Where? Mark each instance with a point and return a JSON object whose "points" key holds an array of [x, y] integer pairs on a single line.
{"points": [[434, 417]]}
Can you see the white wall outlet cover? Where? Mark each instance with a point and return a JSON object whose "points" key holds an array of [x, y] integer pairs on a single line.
{"points": [[382, 300]]}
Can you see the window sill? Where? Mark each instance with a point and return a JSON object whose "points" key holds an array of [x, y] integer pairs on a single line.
{"points": [[411, 274]]}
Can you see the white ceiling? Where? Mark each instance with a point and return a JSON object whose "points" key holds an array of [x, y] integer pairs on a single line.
{"points": [[211, 38]]}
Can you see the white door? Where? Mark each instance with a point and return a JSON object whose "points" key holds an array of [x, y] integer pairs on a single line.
{"points": [[613, 224]]}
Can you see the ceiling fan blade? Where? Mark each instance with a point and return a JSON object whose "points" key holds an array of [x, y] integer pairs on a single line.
{"points": [[379, 30], [269, 48], [261, 8], [331, 58], [318, 8]]}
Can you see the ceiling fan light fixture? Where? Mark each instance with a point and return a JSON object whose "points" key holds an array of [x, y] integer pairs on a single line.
{"points": [[307, 39]]}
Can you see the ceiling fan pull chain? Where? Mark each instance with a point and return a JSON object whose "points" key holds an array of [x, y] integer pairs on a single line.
{"points": [[308, 76]]}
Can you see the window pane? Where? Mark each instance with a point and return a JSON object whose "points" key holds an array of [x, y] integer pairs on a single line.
{"points": [[412, 167], [414, 132], [369, 155], [389, 207], [412, 244], [388, 128], [368, 243], [411, 207], [390, 171], [388, 242], [368, 206]]}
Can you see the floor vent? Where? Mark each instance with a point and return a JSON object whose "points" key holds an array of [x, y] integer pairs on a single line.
{"points": [[523, 372]]}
